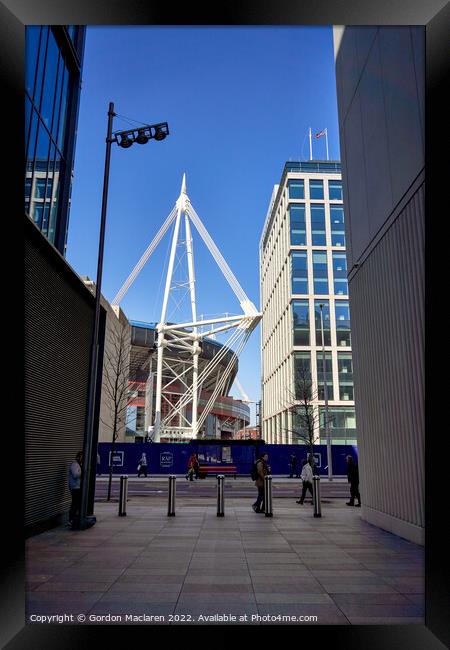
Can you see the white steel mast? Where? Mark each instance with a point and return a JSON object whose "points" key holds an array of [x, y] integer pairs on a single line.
{"points": [[160, 326]]}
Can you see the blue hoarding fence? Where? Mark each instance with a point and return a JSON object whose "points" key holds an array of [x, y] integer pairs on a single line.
{"points": [[172, 458]]}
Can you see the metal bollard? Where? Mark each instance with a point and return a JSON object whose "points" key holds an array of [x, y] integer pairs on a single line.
{"points": [[220, 495], [172, 491], [316, 492], [123, 496], [268, 496]]}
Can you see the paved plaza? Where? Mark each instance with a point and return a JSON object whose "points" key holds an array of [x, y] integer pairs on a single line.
{"points": [[337, 568]]}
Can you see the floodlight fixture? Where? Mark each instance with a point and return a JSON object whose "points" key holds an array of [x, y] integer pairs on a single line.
{"points": [[141, 135], [161, 131], [125, 141]]}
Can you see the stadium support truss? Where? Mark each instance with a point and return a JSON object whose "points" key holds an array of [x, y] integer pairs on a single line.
{"points": [[186, 338]]}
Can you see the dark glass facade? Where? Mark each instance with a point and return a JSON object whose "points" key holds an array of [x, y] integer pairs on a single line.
{"points": [[300, 321], [298, 224], [299, 272], [326, 322], [53, 56]]}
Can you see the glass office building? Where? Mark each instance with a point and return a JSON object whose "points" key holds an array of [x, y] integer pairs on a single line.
{"points": [[53, 56], [302, 266]]}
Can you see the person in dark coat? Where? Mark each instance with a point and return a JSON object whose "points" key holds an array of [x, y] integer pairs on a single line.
{"points": [[263, 470], [196, 466], [353, 479], [293, 465]]}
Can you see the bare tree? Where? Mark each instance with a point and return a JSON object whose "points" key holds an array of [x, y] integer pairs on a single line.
{"points": [[305, 418], [115, 388]]}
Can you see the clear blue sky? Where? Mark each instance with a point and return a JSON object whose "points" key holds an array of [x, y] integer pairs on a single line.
{"points": [[239, 102]]}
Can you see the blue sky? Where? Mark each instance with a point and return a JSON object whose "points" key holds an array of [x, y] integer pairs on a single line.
{"points": [[239, 102]]}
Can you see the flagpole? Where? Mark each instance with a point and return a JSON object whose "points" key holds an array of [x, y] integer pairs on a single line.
{"points": [[310, 144], [326, 140]]}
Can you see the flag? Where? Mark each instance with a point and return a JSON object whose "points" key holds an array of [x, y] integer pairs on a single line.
{"points": [[320, 134]]}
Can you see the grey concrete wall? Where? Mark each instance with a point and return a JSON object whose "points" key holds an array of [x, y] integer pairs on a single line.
{"points": [[380, 88]]}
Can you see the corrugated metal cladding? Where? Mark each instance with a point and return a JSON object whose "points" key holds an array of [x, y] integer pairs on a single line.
{"points": [[387, 311], [58, 330]]}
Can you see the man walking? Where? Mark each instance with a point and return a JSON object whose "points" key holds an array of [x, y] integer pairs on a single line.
{"points": [[353, 479], [262, 469], [307, 478]]}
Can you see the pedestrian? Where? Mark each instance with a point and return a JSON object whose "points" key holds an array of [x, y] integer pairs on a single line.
{"points": [[353, 479], [262, 470], [142, 467], [293, 465], [196, 466], [98, 464], [192, 464], [307, 478], [75, 472]]}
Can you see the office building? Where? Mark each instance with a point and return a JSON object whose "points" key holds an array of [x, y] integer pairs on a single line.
{"points": [[380, 74], [302, 266], [53, 56]]}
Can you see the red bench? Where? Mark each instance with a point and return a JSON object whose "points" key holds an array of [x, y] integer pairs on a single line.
{"points": [[204, 470]]}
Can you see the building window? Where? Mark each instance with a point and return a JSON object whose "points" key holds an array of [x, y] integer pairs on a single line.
{"points": [[298, 224], [37, 213], [296, 189], [37, 63], [340, 274], [342, 424], [300, 322], [337, 225], [326, 322], [28, 183], [302, 375], [48, 94], [299, 272], [318, 224], [71, 32], [316, 190], [39, 188], [345, 371], [32, 42], [326, 377], [342, 312], [320, 272], [335, 190]]}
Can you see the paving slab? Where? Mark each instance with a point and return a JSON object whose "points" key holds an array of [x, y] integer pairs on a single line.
{"points": [[338, 568]]}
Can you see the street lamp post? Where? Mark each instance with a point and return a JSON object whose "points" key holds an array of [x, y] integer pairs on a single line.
{"points": [[124, 139], [325, 394]]}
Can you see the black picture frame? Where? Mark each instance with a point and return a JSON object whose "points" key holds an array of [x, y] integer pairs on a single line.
{"points": [[435, 16]]}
